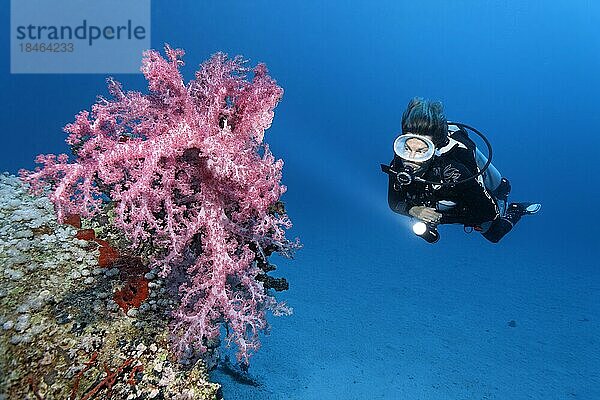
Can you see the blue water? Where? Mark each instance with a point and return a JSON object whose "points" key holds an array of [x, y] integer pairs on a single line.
{"points": [[380, 314]]}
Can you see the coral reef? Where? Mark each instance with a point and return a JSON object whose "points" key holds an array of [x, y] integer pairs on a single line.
{"points": [[193, 187], [64, 334]]}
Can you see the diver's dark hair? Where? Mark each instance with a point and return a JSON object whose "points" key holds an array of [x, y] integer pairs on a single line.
{"points": [[426, 117]]}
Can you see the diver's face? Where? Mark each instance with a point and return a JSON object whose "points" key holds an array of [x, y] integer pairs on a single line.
{"points": [[416, 147]]}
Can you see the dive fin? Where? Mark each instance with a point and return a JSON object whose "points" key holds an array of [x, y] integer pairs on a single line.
{"points": [[533, 208]]}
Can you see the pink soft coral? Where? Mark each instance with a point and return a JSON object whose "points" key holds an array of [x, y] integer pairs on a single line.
{"points": [[186, 163]]}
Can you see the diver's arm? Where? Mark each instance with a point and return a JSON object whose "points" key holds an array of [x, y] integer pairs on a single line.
{"points": [[477, 204], [426, 214], [397, 199], [398, 203]]}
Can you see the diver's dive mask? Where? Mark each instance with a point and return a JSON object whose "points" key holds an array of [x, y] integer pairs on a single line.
{"points": [[415, 152], [420, 150]]}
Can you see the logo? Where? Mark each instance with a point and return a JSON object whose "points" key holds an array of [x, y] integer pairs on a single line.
{"points": [[450, 174], [78, 36]]}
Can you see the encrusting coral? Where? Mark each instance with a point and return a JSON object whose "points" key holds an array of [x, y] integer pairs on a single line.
{"points": [[64, 335]]}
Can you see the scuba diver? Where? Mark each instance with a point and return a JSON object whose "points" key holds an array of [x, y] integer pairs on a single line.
{"points": [[439, 176]]}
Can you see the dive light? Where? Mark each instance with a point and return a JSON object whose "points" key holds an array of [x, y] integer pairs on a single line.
{"points": [[428, 232]]}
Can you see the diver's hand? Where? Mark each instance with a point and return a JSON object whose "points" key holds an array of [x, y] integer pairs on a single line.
{"points": [[425, 214]]}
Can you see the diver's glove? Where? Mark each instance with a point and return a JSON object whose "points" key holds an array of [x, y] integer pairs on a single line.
{"points": [[425, 214]]}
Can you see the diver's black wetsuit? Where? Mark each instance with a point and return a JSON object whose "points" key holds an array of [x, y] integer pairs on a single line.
{"points": [[468, 203]]}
